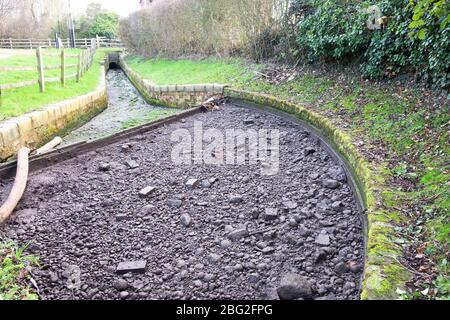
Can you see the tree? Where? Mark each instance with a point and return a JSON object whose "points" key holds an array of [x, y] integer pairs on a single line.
{"points": [[6, 7], [104, 25]]}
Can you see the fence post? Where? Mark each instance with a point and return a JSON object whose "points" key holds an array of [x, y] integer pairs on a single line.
{"points": [[98, 40], [79, 67], [63, 68], [10, 43], [31, 44], [40, 64]]}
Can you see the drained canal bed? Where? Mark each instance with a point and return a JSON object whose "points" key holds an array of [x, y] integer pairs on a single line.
{"points": [[200, 231], [126, 108]]}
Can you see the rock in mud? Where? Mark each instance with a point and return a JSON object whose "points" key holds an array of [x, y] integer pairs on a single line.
{"points": [[330, 184], [238, 234], [185, 220], [294, 286]]}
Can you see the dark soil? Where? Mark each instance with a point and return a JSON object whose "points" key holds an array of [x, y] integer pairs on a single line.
{"points": [[86, 214]]}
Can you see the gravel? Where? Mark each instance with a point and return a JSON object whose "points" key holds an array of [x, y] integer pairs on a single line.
{"points": [[314, 250]]}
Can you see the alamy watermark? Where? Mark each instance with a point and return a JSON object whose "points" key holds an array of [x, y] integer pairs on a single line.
{"points": [[374, 21], [227, 147]]}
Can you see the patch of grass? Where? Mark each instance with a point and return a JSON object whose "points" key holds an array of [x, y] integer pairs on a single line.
{"points": [[14, 274], [15, 102], [168, 72], [152, 116], [31, 61]]}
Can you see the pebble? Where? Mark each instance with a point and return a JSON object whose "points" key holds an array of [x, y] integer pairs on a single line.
{"points": [[192, 183], [213, 258], [120, 284], [323, 240], [330, 183], [104, 166], [238, 234], [147, 191], [270, 214], [132, 164], [174, 203], [185, 219], [294, 286], [235, 199]]}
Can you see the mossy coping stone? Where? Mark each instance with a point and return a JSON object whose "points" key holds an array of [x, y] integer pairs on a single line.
{"points": [[383, 273]]}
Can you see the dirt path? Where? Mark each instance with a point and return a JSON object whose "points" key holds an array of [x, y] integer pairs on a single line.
{"points": [[125, 107], [236, 235]]}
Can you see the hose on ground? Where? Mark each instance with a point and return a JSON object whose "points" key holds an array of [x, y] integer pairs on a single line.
{"points": [[19, 185]]}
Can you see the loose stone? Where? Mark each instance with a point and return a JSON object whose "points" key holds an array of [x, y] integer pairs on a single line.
{"points": [[294, 286], [323, 240], [131, 266], [185, 219], [147, 191]]}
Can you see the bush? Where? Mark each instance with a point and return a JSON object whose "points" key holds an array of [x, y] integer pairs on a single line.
{"points": [[173, 28], [333, 29], [414, 36]]}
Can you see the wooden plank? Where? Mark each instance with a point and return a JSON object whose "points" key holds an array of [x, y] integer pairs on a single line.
{"points": [[24, 68], [53, 67], [18, 84]]}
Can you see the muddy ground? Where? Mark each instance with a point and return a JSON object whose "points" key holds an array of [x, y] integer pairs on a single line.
{"points": [[233, 234]]}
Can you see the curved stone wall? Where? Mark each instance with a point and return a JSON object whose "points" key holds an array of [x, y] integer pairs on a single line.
{"points": [[177, 96]]}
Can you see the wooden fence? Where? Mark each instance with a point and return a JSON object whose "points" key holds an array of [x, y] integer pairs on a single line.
{"points": [[85, 60], [51, 43]]}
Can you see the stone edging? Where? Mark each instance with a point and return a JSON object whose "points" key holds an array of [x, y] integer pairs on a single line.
{"points": [[35, 128], [383, 272], [177, 96]]}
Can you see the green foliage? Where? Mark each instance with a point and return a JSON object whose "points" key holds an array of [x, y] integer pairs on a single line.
{"points": [[414, 36], [333, 29], [14, 275], [104, 25], [95, 21]]}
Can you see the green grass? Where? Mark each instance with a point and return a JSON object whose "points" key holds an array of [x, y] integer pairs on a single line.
{"points": [[15, 102], [14, 276], [31, 61], [151, 116], [166, 72]]}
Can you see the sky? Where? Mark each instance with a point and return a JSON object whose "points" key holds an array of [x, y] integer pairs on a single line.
{"points": [[122, 7]]}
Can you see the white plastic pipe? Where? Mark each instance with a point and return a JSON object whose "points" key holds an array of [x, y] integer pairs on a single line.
{"points": [[20, 183], [49, 146]]}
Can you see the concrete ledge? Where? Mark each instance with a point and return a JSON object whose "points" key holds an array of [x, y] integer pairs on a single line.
{"points": [[383, 273], [177, 96], [35, 128]]}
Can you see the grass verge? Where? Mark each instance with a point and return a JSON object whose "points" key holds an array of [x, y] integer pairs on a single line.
{"points": [[15, 102], [14, 272], [166, 72]]}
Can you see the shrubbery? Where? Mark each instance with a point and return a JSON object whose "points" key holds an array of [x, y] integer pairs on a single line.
{"points": [[414, 35]]}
